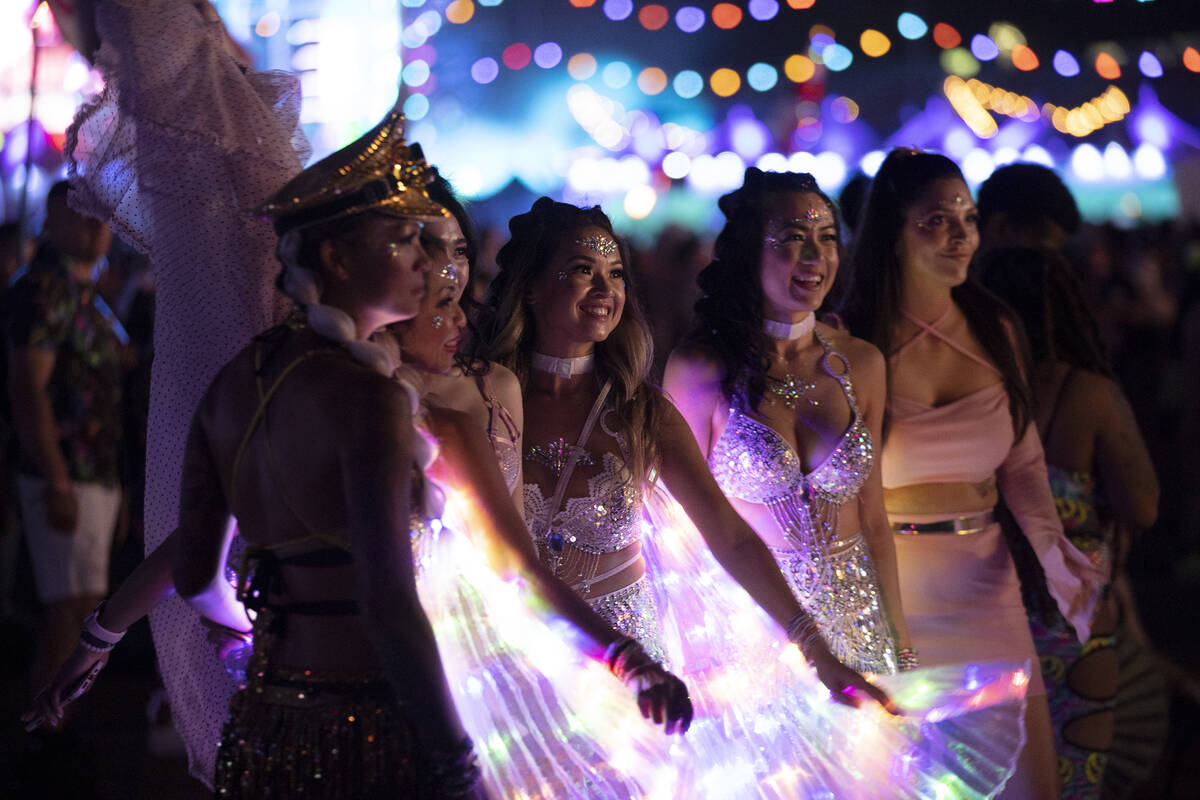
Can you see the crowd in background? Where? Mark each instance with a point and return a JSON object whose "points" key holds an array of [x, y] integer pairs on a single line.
{"points": [[1141, 283]]}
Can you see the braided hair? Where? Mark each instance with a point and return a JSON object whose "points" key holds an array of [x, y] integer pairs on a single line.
{"points": [[300, 279], [729, 313]]}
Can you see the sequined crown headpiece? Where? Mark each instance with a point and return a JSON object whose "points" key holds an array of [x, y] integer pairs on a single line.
{"points": [[377, 172]]}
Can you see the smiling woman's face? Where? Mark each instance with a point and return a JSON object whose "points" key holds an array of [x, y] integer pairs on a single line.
{"points": [[940, 235], [579, 297], [429, 341], [799, 255]]}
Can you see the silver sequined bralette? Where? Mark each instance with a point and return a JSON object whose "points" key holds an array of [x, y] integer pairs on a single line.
{"points": [[606, 519], [753, 462]]}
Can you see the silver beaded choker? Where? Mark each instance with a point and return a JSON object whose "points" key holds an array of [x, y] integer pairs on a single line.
{"points": [[564, 367]]}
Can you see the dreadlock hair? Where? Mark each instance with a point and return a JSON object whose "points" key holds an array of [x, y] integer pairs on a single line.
{"points": [[871, 307], [729, 313], [507, 331], [1045, 293]]}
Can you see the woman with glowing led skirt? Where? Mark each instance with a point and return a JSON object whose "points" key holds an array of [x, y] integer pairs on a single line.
{"points": [[774, 263], [559, 316]]}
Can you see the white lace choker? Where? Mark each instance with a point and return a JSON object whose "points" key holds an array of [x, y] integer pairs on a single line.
{"points": [[782, 330], [564, 367]]}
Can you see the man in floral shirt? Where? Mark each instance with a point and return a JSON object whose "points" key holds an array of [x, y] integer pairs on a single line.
{"points": [[65, 388]]}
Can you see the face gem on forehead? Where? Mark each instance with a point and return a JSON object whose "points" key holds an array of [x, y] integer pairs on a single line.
{"points": [[601, 244], [812, 215]]}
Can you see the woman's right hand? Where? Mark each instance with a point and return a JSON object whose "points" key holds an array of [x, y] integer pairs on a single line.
{"points": [[74, 679], [845, 685]]}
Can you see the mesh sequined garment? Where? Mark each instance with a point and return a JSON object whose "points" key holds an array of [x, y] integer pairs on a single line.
{"points": [[175, 153], [608, 519], [834, 579]]}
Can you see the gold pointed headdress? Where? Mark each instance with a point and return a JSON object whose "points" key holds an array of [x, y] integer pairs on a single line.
{"points": [[378, 171]]}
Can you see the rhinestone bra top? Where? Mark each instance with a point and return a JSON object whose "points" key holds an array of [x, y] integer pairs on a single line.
{"points": [[606, 520], [752, 462]]}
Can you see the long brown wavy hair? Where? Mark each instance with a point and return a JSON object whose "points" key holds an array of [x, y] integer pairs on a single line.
{"points": [[729, 314], [871, 306], [507, 329]]}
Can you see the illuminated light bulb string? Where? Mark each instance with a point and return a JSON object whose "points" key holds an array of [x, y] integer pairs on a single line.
{"points": [[824, 51]]}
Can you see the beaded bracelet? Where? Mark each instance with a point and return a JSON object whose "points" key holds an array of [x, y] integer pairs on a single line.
{"points": [[906, 658], [802, 631], [95, 637]]}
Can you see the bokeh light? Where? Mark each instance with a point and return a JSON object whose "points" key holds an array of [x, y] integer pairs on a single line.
{"points": [[983, 48], [1150, 66], [725, 82], [1023, 58], [688, 84], [959, 61], [1191, 59], [616, 74], [676, 165], [1116, 162], [652, 80], [843, 109], [485, 70], [416, 107], [837, 57], [1006, 35], [1149, 163], [640, 201], [617, 10], [415, 73], [799, 68], [871, 162], [689, 19], [874, 43], [517, 56], [911, 26], [800, 5], [726, 16], [1107, 67], [653, 17], [581, 66], [267, 25], [547, 55], [1087, 163], [460, 12], [946, 36], [762, 77], [583, 3], [1065, 64], [763, 10]]}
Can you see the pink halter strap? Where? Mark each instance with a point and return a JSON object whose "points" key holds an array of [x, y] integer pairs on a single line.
{"points": [[931, 329]]}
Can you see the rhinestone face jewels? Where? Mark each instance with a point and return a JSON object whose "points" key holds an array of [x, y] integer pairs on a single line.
{"points": [[601, 244], [790, 389], [438, 321], [554, 455], [450, 273], [778, 230]]}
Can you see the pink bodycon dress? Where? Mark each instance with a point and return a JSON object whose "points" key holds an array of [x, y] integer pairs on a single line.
{"points": [[961, 596]]}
